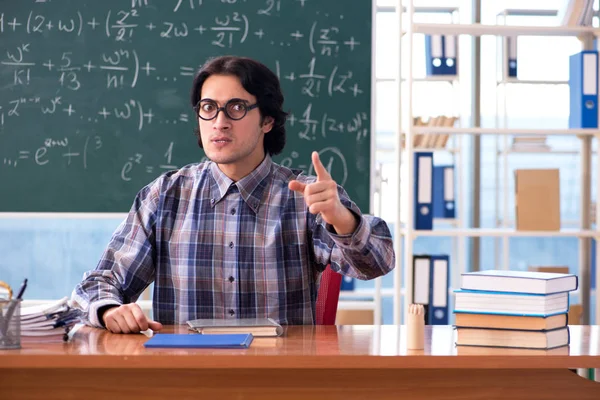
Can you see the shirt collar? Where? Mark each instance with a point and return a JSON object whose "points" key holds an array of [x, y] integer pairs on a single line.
{"points": [[251, 187]]}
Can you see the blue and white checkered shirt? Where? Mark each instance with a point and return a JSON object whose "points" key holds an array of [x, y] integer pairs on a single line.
{"points": [[215, 248]]}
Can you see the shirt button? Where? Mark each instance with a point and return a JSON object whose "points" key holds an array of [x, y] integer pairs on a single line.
{"points": [[212, 201], [231, 312], [233, 211], [231, 279], [231, 245]]}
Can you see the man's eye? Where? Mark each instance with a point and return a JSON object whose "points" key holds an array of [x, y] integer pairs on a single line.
{"points": [[208, 107], [236, 106]]}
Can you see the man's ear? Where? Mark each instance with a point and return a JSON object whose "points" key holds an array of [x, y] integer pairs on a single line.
{"points": [[267, 124]]}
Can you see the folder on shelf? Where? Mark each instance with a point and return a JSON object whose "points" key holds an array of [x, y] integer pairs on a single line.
{"points": [[441, 54], [438, 292], [347, 283], [443, 192], [421, 282], [593, 265], [583, 90], [423, 209], [511, 56]]}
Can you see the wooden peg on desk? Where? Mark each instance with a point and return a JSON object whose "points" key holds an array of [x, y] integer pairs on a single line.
{"points": [[415, 327]]}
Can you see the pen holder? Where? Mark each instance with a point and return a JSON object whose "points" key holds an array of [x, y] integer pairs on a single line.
{"points": [[415, 327], [10, 324]]}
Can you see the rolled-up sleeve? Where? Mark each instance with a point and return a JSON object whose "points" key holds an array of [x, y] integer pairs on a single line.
{"points": [[365, 254], [126, 267]]}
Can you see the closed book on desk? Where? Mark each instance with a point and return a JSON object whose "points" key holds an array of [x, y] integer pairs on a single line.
{"points": [[537, 305], [512, 338], [192, 340], [256, 326], [519, 281], [519, 322]]}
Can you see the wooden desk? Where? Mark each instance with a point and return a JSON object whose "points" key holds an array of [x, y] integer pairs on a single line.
{"points": [[343, 362]]}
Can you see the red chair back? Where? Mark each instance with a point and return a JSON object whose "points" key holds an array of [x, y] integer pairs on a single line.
{"points": [[328, 296]]}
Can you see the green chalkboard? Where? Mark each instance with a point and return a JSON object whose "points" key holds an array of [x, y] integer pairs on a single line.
{"points": [[94, 94]]}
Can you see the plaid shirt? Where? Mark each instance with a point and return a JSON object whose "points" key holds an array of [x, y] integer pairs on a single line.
{"points": [[215, 248]]}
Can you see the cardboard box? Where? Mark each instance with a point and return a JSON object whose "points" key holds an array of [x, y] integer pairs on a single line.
{"points": [[355, 317], [537, 199]]}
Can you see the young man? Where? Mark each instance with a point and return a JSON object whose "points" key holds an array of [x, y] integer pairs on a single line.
{"points": [[238, 236]]}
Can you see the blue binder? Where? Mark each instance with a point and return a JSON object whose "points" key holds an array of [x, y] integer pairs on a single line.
{"points": [[347, 283], [593, 266], [422, 282], [423, 190], [438, 292], [443, 192], [441, 54], [511, 48], [583, 90], [196, 340]]}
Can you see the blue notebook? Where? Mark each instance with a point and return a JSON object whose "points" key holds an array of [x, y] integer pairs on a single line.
{"points": [[194, 340]]}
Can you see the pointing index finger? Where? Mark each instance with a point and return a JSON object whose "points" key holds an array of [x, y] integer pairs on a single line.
{"points": [[320, 170]]}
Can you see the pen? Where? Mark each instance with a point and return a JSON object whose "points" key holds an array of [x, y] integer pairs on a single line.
{"points": [[11, 308], [22, 290]]}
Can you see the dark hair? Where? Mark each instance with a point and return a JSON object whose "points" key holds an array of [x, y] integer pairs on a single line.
{"points": [[259, 81]]}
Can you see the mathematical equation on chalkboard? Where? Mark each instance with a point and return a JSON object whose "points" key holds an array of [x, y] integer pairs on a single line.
{"points": [[42, 78]]}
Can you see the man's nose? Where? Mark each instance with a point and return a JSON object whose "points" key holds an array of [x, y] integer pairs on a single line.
{"points": [[221, 121]]}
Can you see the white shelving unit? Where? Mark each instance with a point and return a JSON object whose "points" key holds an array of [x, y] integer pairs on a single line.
{"points": [[406, 158]]}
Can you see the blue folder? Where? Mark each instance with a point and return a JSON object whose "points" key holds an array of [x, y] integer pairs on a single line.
{"points": [[583, 90], [195, 340]]}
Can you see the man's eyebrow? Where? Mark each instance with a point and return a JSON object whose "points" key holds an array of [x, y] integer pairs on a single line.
{"points": [[232, 99]]}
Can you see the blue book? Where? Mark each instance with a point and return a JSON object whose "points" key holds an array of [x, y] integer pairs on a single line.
{"points": [[198, 341]]}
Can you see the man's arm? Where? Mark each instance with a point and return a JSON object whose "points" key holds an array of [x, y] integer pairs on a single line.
{"points": [[127, 266], [355, 245]]}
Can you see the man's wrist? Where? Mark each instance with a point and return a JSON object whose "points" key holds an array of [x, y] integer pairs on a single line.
{"points": [[103, 310]]}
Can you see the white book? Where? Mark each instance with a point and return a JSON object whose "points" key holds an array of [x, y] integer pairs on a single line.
{"points": [[533, 305], [519, 281]]}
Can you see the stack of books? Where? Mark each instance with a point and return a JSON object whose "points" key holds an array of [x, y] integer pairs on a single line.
{"points": [[513, 309], [49, 319]]}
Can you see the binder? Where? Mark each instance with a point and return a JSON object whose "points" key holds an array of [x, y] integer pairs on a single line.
{"points": [[583, 90], [347, 283], [421, 282], [438, 292], [450, 46], [511, 52], [443, 192], [593, 266], [423, 190], [441, 54]]}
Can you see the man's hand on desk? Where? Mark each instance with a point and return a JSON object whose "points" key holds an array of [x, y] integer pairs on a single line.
{"points": [[128, 318]]}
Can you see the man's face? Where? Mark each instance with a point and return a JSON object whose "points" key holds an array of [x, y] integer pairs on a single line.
{"points": [[227, 141]]}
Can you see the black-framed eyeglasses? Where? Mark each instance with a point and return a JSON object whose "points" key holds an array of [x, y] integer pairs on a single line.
{"points": [[234, 109]]}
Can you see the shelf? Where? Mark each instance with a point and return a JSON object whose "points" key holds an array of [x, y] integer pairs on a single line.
{"points": [[516, 12], [540, 151], [505, 131], [433, 78], [503, 30], [363, 293], [516, 81], [502, 232], [424, 9], [355, 305]]}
